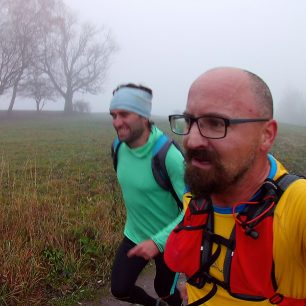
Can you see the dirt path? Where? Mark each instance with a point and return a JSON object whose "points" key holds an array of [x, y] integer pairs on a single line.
{"points": [[145, 281]]}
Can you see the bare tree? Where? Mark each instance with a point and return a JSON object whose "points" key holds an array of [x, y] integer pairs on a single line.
{"points": [[17, 42], [43, 35], [38, 86], [76, 57], [9, 65], [9, 53]]}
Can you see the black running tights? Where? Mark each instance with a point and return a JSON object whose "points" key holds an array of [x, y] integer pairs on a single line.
{"points": [[126, 271]]}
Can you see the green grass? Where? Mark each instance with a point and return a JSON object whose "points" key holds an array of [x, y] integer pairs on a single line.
{"points": [[290, 148], [61, 212]]}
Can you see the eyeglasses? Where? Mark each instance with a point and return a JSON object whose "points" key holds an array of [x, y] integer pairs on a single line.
{"points": [[209, 126]]}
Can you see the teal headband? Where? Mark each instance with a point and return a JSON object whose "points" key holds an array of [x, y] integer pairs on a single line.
{"points": [[133, 100]]}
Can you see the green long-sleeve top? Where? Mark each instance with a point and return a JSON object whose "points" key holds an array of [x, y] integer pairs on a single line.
{"points": [[151, 212]]}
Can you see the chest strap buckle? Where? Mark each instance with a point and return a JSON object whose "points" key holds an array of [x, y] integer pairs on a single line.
{"points": [[277, 298]]}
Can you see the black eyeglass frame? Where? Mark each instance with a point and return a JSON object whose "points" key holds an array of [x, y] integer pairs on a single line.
{"points": [[227, 123]]}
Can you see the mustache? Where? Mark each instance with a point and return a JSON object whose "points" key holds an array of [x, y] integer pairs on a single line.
{"points": [[199, 155]]}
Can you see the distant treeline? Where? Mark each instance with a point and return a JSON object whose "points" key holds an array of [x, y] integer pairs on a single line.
{"points": [[47, 54]]}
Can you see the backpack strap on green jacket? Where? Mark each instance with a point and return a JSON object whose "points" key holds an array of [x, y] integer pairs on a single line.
{"points": [[114, 152], [159, 168]]}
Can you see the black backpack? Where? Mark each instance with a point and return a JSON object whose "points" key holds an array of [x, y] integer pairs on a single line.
{"points": [[159, 169]]}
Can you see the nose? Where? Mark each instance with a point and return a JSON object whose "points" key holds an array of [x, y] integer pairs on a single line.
{"points": [[194, 139]]}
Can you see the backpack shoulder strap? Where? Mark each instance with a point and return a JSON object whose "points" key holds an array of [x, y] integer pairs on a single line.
{"points": [[286, 180], [159, 168], [272, 192], [114, 151]]}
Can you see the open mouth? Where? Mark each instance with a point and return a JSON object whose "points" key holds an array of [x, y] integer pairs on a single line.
{"points": [[201, 163], [200, 158]]}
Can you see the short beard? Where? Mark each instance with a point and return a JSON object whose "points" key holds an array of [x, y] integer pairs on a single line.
{"points": [[217, 180], [134, 136]]}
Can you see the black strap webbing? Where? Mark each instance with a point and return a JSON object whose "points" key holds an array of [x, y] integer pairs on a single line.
{"points": [[286, 180], [205, 298]]}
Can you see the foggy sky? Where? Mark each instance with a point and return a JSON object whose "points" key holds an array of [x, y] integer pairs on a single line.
{"points": [[166, 44]]}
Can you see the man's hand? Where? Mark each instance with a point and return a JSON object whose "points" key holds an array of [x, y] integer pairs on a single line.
{"points": [[146, 249]]}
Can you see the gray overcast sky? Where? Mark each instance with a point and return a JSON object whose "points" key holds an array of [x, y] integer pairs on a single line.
{"points": [[166, 44]]}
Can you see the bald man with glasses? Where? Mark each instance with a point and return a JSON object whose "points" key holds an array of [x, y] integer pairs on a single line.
{"points": [[243, 237]]}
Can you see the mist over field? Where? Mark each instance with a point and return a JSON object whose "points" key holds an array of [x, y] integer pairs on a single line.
{"points": [[167, 44]]}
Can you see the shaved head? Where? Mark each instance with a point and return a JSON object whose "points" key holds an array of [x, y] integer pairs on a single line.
{"points": [[262, 93], [236, 79]]}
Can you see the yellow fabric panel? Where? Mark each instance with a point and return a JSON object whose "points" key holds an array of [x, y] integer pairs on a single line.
{"points": [[222, 298], [289, 247]]}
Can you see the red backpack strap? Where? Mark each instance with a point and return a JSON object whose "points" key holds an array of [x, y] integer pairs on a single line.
{"points": [[252, 262], [182, 251]]}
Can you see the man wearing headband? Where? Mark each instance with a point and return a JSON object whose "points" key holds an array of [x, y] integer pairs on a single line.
{"points": [[151, 211]]}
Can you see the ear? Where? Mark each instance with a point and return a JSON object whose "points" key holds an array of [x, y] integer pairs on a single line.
{"points": [[268, 136]]}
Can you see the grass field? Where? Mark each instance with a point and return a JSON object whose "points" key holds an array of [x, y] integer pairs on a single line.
{"points": [[61, 212]]}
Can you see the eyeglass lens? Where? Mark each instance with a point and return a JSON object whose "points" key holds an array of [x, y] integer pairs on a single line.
{"points": [[211, 127]]}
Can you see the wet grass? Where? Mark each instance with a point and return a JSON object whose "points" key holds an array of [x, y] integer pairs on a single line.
{"points": [[61, 212], [290, 148]]}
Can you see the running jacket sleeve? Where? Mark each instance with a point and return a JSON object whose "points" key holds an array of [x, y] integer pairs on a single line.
{"points": [[289, 245]]}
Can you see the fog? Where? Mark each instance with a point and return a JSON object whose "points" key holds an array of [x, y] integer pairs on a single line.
{"points": [[166, 44]]}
